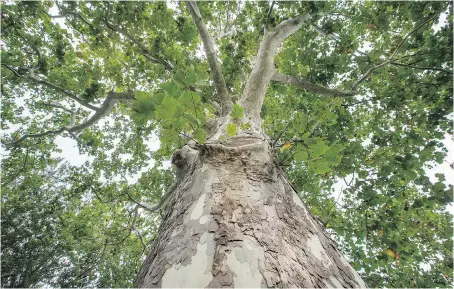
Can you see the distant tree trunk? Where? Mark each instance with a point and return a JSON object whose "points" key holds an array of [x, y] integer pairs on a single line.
{"points": [[234, 220]]}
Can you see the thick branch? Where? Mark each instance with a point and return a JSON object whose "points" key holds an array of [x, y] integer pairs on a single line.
{"points": [[309, 86], [104, 110], [263, 69], [215, 67]]}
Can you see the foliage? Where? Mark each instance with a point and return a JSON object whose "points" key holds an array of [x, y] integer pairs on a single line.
{"points": [[66, 225]]}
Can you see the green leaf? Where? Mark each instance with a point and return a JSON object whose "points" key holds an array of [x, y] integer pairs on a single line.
{"points": [[301, 156], [333, 155], [190, 100], [237, 111], [231, 129], [171, 89], [300, 123], [143, 103], [168, 108], [192, 119], [321, 167], [178, 78], [318, 149], [200, 135]]}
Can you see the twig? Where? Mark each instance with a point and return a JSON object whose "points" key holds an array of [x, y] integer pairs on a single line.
{"points": [[414, 30], [309, 86], [366, 75], [391, 58], [155, 207], [281, 133], [331, 208], [422, 68], [53, 86]]}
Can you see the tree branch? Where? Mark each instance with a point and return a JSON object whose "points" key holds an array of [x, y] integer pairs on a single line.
{"points": [[366, 75], [63, 91], [263, 69], [309, 86], [281, 133], [111, 99], [215, 67], [391, 58], [135, 213], [36, 135], [145, 247], [157, 206], [29, 43], [65, 13], [145, 51], [56, 105], [413, 31], [71, 95], [419, 67], [268, 15], [321, 32], [105, 109]]}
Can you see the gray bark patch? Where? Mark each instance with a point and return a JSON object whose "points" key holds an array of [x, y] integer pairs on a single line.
{"points": [[235, 212]]}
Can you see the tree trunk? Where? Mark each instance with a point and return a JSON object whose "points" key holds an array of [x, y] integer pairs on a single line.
{"points": [[234, 220]]}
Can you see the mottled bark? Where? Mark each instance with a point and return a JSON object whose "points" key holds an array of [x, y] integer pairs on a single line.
{"points": [[215, 68], [263, 69], [235, 221]]}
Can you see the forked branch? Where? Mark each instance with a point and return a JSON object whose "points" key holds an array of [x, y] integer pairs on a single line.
{"points": [[393, 55], [263, 69], [215, 67], [102, 111]]}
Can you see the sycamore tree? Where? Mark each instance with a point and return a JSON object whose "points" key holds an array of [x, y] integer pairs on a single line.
{"points": [[263, 107]]}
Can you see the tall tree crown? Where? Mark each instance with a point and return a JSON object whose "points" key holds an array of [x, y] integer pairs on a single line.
{"points": [[359, 91]]}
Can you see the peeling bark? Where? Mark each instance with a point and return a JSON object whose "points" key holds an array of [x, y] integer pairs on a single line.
{"points": [[215, 68], [263, 69], [235, 221]]}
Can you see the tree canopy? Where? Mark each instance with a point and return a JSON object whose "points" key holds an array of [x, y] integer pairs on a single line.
{"points": [[361, 96]]}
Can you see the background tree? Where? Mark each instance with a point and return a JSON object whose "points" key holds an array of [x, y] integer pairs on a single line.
{"points": [[363, 91]]}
